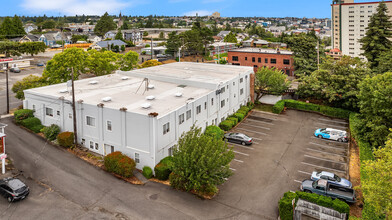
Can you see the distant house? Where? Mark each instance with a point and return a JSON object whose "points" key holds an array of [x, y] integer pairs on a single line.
{"points": [[29, 38], [221, 47], [156, 50], [223, 34], [94, 38], [335, 53], [30, 27], [134, 35], [51, 38], [107, 44], [260, 43], [247, 43]]}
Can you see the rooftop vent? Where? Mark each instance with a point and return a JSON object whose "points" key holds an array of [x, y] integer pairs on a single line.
{"points": [[151, 86], [93, 82], [178, 94], [125, 78], [151, 97], [63, 91], [107, 99], [146, 105]]}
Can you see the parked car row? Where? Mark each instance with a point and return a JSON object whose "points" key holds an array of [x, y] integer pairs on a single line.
{"points": [[238, 138]]}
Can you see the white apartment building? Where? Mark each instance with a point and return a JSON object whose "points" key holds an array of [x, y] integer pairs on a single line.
{"points": [[349, 23], [143, 112]]}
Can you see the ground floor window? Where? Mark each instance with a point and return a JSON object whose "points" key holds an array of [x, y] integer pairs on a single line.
{"points": [[137, 158]]}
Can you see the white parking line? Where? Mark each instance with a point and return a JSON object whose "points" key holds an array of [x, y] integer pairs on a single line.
{"points": [[307, 173], [309, 164], [259, 139], [239, 161], [239, 145], [323, 152], [241, 153], [265, 117], [329, 140], [255, 126], [340, 122], [297, 181], [232, 169], [327, 146], [317, 158], [254, 142], [243, 129], [332, 126], [267, 123]]}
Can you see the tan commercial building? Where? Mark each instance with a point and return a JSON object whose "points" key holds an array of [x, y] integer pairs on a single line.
{"points": [[349, 23]]}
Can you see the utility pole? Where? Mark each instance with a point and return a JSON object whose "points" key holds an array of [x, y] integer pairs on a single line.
{"points": [[74, 109], [8, 95], [151, 48], [179, 54], [318, 55]]}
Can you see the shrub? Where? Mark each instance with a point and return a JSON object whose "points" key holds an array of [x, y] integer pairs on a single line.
{"points": [[226, 125], [286, 207], [51, 132], [278, 107], [120, 164], [147, 172], [325, 201], [244, 108], [33, 124], [251, 105], [233, 119], [335, 112], [23, 114], [214, 131], [245, 113], [163, 168], [66, 139], [239, 116], [302, 105]]}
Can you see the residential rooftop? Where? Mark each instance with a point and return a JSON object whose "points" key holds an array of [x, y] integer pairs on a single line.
{"points": [[261, 50]]}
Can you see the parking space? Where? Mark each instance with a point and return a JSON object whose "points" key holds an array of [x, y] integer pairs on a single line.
{"points": [[284, 153]]}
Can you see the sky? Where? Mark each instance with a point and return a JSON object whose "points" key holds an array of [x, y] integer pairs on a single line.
{"points": [[227, 8]]}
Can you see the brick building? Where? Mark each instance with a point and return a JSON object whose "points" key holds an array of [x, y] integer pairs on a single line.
{"points": [[259, 57]]}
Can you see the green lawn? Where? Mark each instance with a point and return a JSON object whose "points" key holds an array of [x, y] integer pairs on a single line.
{"points": [[264, 107]]}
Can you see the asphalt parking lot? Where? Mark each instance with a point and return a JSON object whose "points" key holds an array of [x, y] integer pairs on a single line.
{"points": [[284, 153]]}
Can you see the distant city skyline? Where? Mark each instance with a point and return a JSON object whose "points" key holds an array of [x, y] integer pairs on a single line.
{"points": [[227, 8]]}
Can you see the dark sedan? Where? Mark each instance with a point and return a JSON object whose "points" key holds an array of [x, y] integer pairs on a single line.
{"points": [[13, 189], [238, 138]]}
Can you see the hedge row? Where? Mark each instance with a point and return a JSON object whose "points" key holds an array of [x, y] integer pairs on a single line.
{"points": [[326, 110], [120, 164], [233, 120], [286, 207], [34, 124], [214, 131], [23, 114], [163, 168]]}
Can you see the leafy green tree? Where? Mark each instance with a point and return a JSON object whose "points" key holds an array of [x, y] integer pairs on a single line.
{"points": [[337, 82], [173, 43], [49, 24], [102, 63], [125, 26], [129, 61], [10, 48], [18, 29], [7, 29], [270, 79], [200, 162], [230, 38], [150, 63], [206, 38], [60, 67], [104, 24], [119, 36], [305, 53], [145, 34], [161, 35], [75, 38], [377, 187], [33, 48], [378, 33], [384, 62], [27, 82], [375, 104]]}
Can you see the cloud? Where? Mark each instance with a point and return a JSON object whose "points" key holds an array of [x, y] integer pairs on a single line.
{"points": [[75, 7], [199, 12]]}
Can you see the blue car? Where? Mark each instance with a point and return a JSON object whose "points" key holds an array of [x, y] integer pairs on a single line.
{"points": [[332, 134], [331, 178]]}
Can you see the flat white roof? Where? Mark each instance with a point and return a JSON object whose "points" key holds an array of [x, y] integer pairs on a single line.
{"points": [[122, 88], [261, 50]]}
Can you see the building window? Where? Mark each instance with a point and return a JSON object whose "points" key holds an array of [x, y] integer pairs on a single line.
{"points": [[222, 103], [288, 72], [241, 91], [109, 125], [286, 62], [58, 113], [91, 145], [205, 105], [188, 114], [49, 112], [137, 158], [34, 107], [90, 121], [198, 109], [253, 59], [241, 80], [70, 115], [223, 90], [83, 141], [96, 146], [233, 83], [246, 58], [235, 58], [266, 60], [255, 66], [259, 60], [273, 61], [166, 128], [181, 118], [212, 101]]}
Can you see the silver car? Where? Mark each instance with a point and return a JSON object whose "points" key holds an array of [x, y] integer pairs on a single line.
{"points": [[238, 138]]}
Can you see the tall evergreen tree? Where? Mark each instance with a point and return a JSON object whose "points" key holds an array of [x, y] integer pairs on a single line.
{"points": [[18, 29], [6, 29], [104, 25], [377, 36]]}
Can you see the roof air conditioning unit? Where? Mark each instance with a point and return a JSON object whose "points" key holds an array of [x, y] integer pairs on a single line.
{"points": [[63, 91], [124, 77], [178, 94], [151, 97], [93, 82], [151, 86], [107, 99], [146, 105]]}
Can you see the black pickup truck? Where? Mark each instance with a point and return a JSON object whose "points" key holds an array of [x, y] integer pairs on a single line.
{"points": [[322, 187]]}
